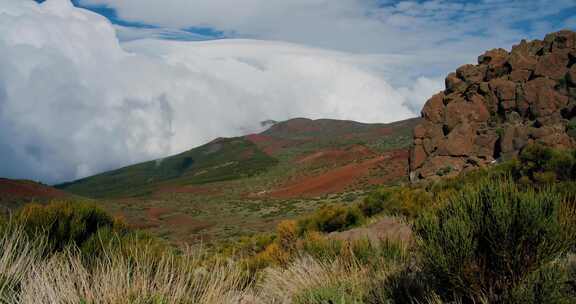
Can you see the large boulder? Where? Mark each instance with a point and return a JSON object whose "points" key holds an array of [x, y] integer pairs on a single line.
{"points": [[490, 111]]}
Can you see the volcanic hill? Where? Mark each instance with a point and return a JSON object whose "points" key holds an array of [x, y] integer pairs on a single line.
{"points": [[233, 186], [15, 193]]}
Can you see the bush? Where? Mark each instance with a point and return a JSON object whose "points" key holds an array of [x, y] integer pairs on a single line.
{"points": [[287, 234], [332, 218], [64, 223], [335, 294], [571, 128], [404, 286], [403, 201], [108, 241], [319, 246], [545, 165], [375, 202], [491, 238], [545, 286]]}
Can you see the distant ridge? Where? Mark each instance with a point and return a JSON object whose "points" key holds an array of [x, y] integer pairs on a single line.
{"points": [[14, 193], [229, 159]]}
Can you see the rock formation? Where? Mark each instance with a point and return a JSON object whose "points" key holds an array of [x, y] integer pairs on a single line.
{"points": [[491, 110]]}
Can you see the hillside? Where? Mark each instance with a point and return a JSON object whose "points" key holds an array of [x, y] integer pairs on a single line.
{"points": [[15, 193], [303, 143], [242, 185], [219, 160]]}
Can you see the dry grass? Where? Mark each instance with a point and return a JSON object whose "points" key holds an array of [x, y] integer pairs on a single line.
{"points": [[63, 279], [282, 285], [140, 277], [18, 255], [144, 276]]}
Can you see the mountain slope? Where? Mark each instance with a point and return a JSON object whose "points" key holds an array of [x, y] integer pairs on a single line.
{"points": [[308, 144], [15, 193], [219, 160], [238, 186]]}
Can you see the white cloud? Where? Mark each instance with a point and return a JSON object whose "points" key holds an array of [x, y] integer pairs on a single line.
{"points": [[126, 33], [74, 101], [367, 26]]}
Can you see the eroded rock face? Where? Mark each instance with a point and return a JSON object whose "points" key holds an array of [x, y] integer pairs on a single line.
{"points": [[491, 110]]}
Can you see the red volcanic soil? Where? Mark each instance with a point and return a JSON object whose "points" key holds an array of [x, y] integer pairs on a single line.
{"points": [[247, 154], [191, 189], [28, 189], [191, 224], [270, 145], [393, 164], [335, 156], [384, 131], [155, 213]]}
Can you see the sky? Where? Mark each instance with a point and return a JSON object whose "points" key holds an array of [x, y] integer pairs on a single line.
{"points": [[92, 85]]}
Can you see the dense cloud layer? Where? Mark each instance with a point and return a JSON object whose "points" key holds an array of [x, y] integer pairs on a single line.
{"points": [[74, 101], [444, 33]]}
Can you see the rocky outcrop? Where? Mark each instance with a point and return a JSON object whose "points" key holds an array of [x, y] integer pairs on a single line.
{"points": [[491, 110]]}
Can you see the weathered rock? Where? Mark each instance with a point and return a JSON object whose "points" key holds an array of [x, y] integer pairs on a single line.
{"points": [[463, 111], [494, 109], [485, 145], [471, 73], [460, 142], [453, 83], [542, 97], [553, 65], [522, 60], [495, 62], [418, 156], [434, 108], [560, 40], [441, 166], [520, 75], [571, 76]]}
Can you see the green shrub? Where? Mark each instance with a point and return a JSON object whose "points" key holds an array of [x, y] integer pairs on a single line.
{"points": [[350, 197], [109, 240], [64, 223], [375, 202], [320, 247], [404, 286], [287, 234], [332, 218], [335, 294], [490, 238], [571, 128], [402, 201], [545, 286], [444, 171], [571, 273], [546, 165]]}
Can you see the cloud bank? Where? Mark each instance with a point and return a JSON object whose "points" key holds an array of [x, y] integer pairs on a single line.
{"points": [[74, 101], [424, 28]]}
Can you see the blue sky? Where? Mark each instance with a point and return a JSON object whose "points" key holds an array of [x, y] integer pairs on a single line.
{"points": [[185, 34], [189, 33]]}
